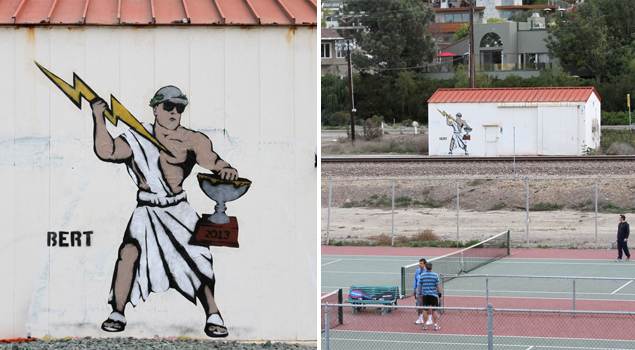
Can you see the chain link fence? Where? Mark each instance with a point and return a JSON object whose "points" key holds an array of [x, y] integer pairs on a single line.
{"points": [[539, 292], [475, 328], [569, 212]]}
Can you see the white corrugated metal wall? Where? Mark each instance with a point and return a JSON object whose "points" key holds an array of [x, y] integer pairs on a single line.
{"points": [[251, 90]]}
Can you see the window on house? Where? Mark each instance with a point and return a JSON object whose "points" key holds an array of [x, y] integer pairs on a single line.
{"points": [[508, 2], [543, 58], [466, 17], [340, 53], [491, 40], [326, 50], [449, 18], [506, 14]]}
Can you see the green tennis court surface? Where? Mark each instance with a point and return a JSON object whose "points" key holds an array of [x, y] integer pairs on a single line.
{"points": [[342, 271], [520, 330], [403, 341]]}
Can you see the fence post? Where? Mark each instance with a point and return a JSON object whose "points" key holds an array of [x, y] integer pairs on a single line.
{"points": [[326, 327], [490, 327], [527, 207], [574, 297], [487, 290], [596, 213], [328, 217], [392, 233], [457, 213]]}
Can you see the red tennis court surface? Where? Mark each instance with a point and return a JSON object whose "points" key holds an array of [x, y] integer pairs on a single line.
{"points": [[519, 324]]}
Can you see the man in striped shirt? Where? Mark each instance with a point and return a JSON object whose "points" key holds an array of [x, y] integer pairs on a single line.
{"points": [[415, 287], [430, 292]]}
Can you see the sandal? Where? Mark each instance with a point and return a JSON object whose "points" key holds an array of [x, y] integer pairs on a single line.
{"points": [[215, 322], [116, 322]]}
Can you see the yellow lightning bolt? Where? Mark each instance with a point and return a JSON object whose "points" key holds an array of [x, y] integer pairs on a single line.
{"points": [[80, 89], [445, 114]]}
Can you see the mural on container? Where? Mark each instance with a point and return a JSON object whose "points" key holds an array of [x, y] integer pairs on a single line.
{"points": [[165, 244], [460, 131]]}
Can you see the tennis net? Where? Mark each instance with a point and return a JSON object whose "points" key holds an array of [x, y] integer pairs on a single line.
{"points": [[464, 260], [336, 314]]}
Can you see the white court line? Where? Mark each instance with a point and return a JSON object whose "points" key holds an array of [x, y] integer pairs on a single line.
{"points": [[511, 261], [331, 262], [627, 283], [531, 347], [361, 272], [458, 291]]}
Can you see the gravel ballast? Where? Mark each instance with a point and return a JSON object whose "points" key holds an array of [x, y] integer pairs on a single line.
{"points": [[148, 344]]}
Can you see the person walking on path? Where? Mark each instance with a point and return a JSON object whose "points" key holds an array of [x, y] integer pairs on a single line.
{"points": [[623, 230], [430, 292], [415, 287]]}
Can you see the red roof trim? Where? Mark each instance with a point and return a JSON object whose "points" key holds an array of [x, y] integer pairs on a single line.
{"points": [[292, 13], [544, 94]]}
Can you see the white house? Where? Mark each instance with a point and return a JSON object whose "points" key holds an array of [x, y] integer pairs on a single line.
{"points": [[508, 121]]}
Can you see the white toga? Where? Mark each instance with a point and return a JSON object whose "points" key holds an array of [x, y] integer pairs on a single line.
{"points": [[162, 225], [457, 136]]}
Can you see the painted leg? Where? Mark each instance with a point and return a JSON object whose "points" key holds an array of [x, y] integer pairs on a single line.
{"points": [[122, 285], [214, 326]]}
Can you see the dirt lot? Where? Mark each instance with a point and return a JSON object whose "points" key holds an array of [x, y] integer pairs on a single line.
{"points": [[361, 208]]}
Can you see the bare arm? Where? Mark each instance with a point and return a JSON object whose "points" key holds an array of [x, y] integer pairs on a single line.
{"points": [[208, 159], [107, 148], [447, 120]]}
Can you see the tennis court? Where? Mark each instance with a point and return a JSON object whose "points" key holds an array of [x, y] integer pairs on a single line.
{"points": [[601, 284]]}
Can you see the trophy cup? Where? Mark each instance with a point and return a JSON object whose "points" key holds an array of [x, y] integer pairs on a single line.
{"points": [[218, 229]]}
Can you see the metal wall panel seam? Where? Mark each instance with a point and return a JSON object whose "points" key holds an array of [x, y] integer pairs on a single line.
{"points": [[119, 13]]}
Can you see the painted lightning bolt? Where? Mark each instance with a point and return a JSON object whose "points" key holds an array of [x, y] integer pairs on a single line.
{"points": [[117, 111]]}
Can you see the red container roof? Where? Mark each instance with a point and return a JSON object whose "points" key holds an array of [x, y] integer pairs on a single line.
{"points": [[159, 12], [542, 94]]}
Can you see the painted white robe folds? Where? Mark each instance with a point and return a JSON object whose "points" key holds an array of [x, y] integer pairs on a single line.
{"points": [[162, 225]]}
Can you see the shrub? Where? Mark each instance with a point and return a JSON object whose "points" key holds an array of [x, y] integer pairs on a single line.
{"points": [[620, 148], [371, 131], [406, 122], [614, 118], [377, 119], [339, 118], [546, 207]]}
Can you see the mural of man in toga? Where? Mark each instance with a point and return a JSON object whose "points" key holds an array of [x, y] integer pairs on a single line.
{"points": [[155, 254], [459, 135]]}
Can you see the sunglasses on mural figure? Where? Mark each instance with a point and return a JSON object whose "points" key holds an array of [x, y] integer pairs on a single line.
{"points": [[169, 106]]}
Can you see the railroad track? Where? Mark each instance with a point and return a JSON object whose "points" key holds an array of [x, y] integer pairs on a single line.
{"points": [[424, 159]]}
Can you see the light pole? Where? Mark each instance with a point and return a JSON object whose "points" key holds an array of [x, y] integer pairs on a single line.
{"points": [[472, 68], [347, 19]]}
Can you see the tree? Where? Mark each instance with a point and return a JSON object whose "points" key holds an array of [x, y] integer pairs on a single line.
{"points": [[599, 40], [335, 95], [395, 35]]}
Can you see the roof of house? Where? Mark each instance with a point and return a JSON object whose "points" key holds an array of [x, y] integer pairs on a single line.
{"points": [[159, 12], [329, 34], [542, 94]]}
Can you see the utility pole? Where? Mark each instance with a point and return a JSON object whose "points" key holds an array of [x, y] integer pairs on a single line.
{"points": [[350, 84], [347, 20], [472, 61]]}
